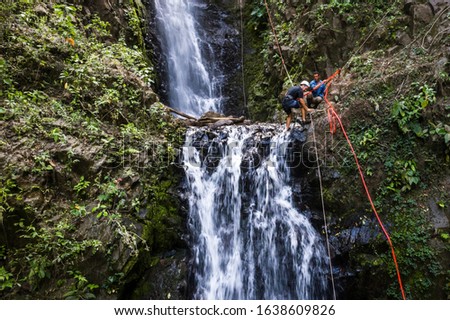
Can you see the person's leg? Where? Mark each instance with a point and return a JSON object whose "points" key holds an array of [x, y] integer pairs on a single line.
{"points": [[288, 121], [303, 114], [316, 101], [309, 100]]}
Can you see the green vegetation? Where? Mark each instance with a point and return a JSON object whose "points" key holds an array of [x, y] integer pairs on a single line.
{"points": [[301, 31], [80, 289], [400, 150], [91, 144], [408, 111]]}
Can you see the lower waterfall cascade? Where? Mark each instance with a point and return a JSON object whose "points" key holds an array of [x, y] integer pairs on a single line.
{"points": [[248, 238]]}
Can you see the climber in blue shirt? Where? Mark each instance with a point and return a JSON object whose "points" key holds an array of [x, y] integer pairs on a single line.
{"points": [[316, 96]]}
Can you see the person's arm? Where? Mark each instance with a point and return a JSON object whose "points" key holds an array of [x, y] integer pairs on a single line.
{"points": [[321, 90], [303, 103]]}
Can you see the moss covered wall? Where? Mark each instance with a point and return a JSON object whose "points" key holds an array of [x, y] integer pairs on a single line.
{"points": [[87, 184]]}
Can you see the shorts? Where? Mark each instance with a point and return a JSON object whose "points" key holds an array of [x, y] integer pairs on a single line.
{"points": [[290, 105]]}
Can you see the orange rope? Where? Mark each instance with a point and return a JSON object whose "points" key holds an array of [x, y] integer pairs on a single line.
{"points": [[330, 114], [361, 174], [332, 117]]}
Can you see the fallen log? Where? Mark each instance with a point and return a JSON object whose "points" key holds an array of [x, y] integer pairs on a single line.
{"points": [[214, 119], [209, 118], [185, 115]]}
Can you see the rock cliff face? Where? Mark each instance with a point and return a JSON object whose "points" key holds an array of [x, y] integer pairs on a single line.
{"points": [[90, 201], [395, 57]]}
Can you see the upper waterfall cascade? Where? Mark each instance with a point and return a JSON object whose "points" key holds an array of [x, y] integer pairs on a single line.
{"points": [[194, 83]]}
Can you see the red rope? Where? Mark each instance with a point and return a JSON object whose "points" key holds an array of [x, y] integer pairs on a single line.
{"points": [[332, 116]]}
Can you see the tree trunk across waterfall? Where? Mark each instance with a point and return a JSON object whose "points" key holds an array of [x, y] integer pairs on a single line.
{"points": [[213, 119]]}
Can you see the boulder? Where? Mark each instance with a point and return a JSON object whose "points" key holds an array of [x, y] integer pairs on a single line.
{"points": [[438, 5], [407, 5], [422, 13], [221, 123]]}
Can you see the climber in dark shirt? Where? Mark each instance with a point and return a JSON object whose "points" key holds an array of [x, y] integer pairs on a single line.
{"points": [[293, 102]]}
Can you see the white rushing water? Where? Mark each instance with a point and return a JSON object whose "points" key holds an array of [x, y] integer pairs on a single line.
{"points": [[193, 88], [248, 239]]}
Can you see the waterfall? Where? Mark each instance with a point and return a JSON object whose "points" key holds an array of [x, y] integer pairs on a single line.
{"points": [[193, 83], [248, 239]]}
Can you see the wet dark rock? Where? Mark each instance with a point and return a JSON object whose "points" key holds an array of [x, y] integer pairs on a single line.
{"points": [[164, 279], [438, 5], [408, 5], [223, 136], [422, 13], [438, 215], [347, 239], [298, 136], [403, 38], [212, 159], [211, 135], [221, 123]]}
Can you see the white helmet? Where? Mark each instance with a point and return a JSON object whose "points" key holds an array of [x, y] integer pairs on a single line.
{"points": [[305, 83]]}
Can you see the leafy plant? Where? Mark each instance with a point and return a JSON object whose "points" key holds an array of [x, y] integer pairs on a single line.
{"points": [[131, 131], [442, 130], [370, 136], [61, 81], [441, 204], [42, 163], [445, 236], [258, 15], [81, 186], [80, 289], [78, 211], [49, 248], [408, 111], [6, 279], [6, 191], [57, 135], [99, 27], [65, 20], [403, 175], [112, 283]]}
